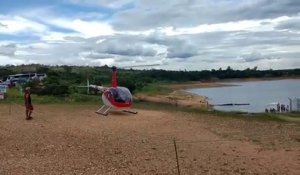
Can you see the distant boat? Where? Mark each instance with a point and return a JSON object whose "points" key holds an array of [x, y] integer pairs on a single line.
{"points": [[232, 104], [272, 104]]}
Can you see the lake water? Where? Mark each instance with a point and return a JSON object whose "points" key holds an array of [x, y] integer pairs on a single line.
{"points": [[257, 93]]}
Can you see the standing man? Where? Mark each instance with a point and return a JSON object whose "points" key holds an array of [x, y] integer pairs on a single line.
{"points": [[28, 104]]}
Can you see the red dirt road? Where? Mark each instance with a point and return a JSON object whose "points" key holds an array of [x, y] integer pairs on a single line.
{"points": [[72, 139]]}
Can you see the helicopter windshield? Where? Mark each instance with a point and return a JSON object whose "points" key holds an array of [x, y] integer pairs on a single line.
{"points": [[121, 94]]}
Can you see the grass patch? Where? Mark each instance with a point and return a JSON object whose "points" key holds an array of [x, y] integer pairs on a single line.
{"points": [[16, 96], [154, 89], [289, 117], [82, 98]]}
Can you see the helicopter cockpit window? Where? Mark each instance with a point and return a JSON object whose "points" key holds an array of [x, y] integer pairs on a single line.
{"points": [[122, 95]]}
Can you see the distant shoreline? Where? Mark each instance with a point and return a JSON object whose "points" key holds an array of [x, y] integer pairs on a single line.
{"points": [[221, 83]]}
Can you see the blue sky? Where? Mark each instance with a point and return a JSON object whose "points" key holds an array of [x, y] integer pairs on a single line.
{"points": [[178, 35]]}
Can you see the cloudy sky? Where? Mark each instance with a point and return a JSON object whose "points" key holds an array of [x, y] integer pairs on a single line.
{"points": [[177, 34]]}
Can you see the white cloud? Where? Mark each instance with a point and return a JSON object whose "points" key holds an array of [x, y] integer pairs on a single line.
{"points": [[2, 25], [8, 49], [245, 25], [5, 60], [86, 28], [256, 56], [57, 37], [105, 3], [17, 24]]}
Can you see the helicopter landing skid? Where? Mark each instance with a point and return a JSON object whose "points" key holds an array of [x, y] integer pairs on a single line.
{"points": [[103, 110], [131, 112]]}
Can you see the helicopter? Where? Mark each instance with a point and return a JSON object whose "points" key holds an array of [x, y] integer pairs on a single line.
{"points": [[114, 97]]}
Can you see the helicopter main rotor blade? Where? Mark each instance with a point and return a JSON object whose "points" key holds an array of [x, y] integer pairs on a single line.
{"points": [[146, 65]]}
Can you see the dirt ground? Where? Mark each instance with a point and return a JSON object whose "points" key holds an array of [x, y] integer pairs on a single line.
{"points": [[72, 139]]}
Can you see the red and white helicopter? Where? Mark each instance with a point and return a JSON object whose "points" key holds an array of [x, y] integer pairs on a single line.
{"points": [[114, 97]]}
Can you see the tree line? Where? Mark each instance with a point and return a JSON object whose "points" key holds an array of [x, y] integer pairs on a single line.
{"points": [[65, 79]]}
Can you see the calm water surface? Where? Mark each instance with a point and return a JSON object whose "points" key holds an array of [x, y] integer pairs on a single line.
{"points": [[259, 94]]}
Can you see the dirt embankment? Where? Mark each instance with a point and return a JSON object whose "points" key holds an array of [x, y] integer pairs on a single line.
{"points": [[179, 97]]}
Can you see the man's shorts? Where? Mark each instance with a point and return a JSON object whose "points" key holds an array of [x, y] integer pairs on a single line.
{"points": [[29, 107]]}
